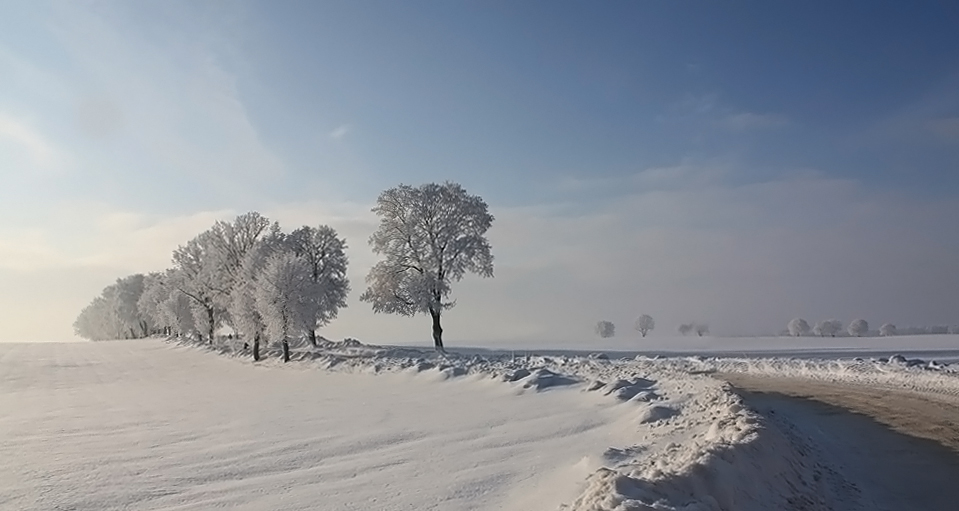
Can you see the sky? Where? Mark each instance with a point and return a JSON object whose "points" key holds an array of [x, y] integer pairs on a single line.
{"points": [[737, 163]]}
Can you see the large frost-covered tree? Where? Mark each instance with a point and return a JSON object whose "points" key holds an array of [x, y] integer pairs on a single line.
{"points": [[243, 310], [829, 327], [234, 239], [430, 236], [644, 324], [325, 253], [126, 293], [858, 327], [200, 277], [165, 305], [286, 298], [798, 327], [208, 266], [605, 329], [154, 293]]}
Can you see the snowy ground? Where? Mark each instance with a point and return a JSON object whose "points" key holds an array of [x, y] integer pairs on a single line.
{"points": [[152, 425]]}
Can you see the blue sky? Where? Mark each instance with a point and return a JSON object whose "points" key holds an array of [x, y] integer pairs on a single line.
{"points": [[720, 162]]}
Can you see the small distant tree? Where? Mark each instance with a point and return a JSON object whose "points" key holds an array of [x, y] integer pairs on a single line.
{"points": [[858, 328], [798, 327], [430, 236], [685, 328], [887, 330], [605, 329], [645, 324], [114, 314], [828, 327], [702, 329]]}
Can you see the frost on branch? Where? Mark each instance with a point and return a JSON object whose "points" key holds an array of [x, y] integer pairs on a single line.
{"points": [[208, 266], [166, 306], [198, 275], [429, 236], [246, 317], [325, 255], [286, 298]]}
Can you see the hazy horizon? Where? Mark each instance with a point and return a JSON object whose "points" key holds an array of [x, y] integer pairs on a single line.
{"points": [[694, 162]]}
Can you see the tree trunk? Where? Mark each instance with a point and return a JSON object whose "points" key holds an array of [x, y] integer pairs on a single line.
{"points": [[437, 331], [256, 348], [313, 338], [212, 326], [286, 351]]}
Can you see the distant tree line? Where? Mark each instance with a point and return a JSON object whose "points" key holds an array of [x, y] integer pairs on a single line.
{"points": [[798, 327]]}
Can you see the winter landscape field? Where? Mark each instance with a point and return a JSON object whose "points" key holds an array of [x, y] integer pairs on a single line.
{"points": [[497, 255], [165, 424]]}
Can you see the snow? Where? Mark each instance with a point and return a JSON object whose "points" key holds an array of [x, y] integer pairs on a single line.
{"points": [[136, 424], [148, 424]]}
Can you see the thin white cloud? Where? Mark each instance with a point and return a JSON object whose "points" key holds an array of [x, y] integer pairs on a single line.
{"points": [[169, 105], [18, 136], [340, 131], [88, 235], [685, 174]]}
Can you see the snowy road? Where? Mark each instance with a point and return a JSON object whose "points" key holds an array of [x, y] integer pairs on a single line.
{"points": [[143, 425], [897, 450]]}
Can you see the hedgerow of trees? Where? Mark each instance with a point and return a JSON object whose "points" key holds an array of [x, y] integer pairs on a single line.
{"points": [[274, 287], [247, 274]]}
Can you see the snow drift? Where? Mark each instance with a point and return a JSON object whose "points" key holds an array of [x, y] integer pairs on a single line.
{"points": [[690, 443]]}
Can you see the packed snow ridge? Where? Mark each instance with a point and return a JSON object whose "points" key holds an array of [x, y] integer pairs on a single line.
{"points": [[695, 446]]}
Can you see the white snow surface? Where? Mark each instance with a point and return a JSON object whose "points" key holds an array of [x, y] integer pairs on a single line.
{"points": [[150, 425]]}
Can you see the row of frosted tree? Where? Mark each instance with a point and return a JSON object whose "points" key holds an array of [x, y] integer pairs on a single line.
{"points": [[272, 286], [645, 324], [247, 274], [857, 328]]}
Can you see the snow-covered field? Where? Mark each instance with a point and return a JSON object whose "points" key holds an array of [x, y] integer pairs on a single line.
{"points": [[149, 424]]}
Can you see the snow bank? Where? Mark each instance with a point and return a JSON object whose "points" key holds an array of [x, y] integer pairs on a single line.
{"points": [[894, 372], [691, 443]]}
